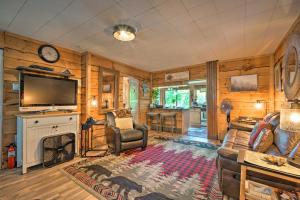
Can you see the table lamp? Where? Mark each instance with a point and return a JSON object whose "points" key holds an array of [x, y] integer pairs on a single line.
{"points": [[290, 120]]}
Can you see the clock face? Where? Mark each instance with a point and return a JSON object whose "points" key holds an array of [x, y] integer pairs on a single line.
{"points": [[48, 53]]}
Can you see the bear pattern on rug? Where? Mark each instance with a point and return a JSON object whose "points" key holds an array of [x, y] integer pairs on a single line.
{"points": [[168, 170]]}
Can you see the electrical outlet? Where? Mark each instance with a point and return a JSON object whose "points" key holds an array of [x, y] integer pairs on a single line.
{"points": [[15, 87]]}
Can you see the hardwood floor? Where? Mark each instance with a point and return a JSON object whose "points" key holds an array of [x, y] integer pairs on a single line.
{"points": [[40, 184], [50, 183]]}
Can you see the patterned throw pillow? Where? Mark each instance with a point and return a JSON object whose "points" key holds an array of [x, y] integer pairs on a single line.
{"points": [[256, 130], [263, 141]]}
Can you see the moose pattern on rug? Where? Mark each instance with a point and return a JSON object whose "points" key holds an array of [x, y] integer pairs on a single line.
{"points": [[164, 171]]}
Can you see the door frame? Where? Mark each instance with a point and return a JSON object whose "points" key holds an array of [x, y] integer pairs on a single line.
{"points": [[138, 96]]}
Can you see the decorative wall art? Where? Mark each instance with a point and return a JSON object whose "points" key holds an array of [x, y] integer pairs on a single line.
{"points": [[106, 88], [244, 83]]}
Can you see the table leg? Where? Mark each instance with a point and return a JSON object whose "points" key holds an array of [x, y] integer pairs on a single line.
{"points": [[242, 182]]}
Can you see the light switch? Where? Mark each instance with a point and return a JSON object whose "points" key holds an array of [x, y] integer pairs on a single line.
{"points": [[15, 87]]}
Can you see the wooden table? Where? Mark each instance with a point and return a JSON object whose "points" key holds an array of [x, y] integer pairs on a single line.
{"points": [[246, 166]]}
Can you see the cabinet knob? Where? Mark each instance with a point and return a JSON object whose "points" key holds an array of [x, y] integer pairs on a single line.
{"points": [[36, 121], [70, 118]]}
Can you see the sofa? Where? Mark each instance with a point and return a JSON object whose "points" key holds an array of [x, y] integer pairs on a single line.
{"points": [[123, 139], [285, 144]]}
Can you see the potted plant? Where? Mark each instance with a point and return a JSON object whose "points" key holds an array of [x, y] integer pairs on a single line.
{"points": [[155, 95]]}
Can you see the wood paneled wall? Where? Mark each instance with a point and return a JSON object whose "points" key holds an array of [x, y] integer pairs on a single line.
{"points": [[280, 100], [90, 65], [244, 102], [196, 72], [22, 51]]}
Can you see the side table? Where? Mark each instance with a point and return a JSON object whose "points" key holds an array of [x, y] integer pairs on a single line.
{"points": [[262, 169]]}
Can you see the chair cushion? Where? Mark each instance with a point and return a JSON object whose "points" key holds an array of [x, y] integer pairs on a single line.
{"points": [[124, 123], [285, 140], [131, 135], [259, 126], [263, 141]]}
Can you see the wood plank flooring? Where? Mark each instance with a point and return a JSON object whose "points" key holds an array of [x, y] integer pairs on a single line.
{"points": [[50, 183], [40, 184]]}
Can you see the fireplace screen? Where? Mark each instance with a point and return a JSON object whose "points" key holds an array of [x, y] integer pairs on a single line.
{"points": [[58, 149]]}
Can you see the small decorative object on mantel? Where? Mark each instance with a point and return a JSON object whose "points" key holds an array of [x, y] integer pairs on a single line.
{"points": [[243, 83], [42, 68], [48, 53], [66, 72], [41, 71]]}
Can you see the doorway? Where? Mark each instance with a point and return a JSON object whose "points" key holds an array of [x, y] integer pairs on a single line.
{"points": [[131, 96], [198, 119]]}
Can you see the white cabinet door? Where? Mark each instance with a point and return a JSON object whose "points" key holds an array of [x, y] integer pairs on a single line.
{"points": [[34, 143]]}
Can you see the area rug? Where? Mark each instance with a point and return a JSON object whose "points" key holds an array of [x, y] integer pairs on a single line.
{"points": [[168, 170]]}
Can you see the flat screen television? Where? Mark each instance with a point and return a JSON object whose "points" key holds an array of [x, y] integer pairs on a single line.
{"points": [[38, 93]]}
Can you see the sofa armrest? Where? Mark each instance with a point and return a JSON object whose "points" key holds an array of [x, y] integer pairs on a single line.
{"points": [[228, 153], [241, 126]]}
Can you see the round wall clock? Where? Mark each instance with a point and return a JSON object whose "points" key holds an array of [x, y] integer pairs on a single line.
{"points": [[48, 53]]}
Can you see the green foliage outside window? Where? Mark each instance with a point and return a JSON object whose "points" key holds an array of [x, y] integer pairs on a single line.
{"points": [[156, 96], [201, 96], [177, 98]]}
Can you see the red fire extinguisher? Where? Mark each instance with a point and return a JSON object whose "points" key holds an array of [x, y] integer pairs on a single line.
{"points": [[11, 154]]}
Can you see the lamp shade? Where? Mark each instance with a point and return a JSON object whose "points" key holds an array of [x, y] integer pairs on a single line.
{"points": [[290, 120]]}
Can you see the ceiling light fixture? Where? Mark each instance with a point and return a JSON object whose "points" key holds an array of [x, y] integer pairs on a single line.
{"points": [[124, 32]]}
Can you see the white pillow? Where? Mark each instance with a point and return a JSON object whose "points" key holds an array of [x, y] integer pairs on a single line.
{"points": [[124, 123]]}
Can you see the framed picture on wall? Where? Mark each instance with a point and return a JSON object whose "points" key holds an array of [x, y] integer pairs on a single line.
{"points": [[106, 88], [243, 83], [278, 76]]}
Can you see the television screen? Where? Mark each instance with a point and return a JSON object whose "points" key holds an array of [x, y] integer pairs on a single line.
{"points": [[36, 90]]}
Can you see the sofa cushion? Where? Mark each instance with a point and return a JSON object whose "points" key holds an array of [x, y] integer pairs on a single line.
{"points": [[124, 123], [274, 121], [236, 139], [131, 135], [263, 141], [295, 153], [268, 117], [285, 140], [273, 150], [256, 130]]}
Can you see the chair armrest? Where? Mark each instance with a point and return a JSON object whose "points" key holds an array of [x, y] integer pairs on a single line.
{"points": [[141, 127], [228, 153]]}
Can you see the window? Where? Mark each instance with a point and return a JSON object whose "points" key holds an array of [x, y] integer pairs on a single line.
{"points": [[177, 98], [201, 96]]}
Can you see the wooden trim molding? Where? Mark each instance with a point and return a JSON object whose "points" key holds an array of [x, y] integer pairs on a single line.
{"points": [[1, 103], [212, 111]]}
